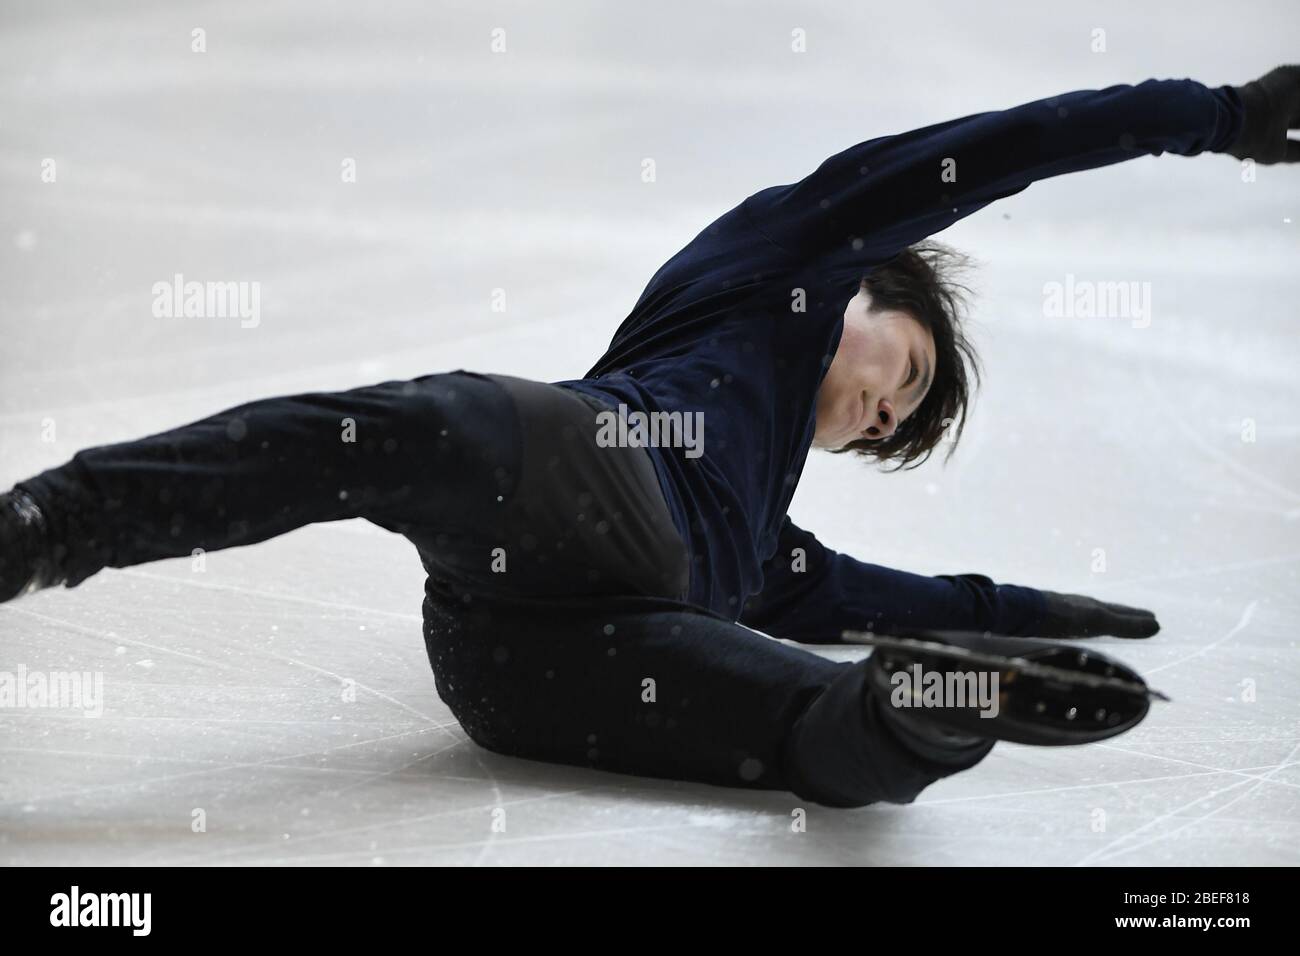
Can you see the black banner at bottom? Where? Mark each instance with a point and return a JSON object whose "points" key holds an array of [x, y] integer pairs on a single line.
{"points": [[919, 906]]}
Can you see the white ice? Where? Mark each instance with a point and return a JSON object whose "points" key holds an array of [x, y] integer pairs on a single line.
{"points": [[1093, 439]]}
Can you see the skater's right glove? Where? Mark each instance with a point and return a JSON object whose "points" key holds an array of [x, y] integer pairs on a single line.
{"points": [[1074, 615], [1272, 107]]}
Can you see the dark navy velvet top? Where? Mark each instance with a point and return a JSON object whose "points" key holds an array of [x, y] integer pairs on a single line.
{"points": [[743, 322]]}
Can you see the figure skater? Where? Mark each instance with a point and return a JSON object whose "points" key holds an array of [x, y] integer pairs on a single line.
{"points": [[595, 602]]}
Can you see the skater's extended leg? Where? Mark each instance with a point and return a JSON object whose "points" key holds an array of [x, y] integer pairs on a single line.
{"points": [[403, 454], [632, 687]]}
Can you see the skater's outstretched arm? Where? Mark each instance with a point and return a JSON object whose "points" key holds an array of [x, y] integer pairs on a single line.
{"points": [[864, 205], [812, 594]]}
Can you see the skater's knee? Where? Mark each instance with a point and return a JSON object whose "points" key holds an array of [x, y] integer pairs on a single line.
{"points": [[486, 728]]}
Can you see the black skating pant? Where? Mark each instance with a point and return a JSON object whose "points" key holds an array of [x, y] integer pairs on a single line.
{"points": [[554, 617]]}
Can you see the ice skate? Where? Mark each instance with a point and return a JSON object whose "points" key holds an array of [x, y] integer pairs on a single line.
{"points": [[26, 562], [1022, 690]]}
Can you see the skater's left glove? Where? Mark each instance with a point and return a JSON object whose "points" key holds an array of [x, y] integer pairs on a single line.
{"points": [[1272, 107], [1074, 615]]}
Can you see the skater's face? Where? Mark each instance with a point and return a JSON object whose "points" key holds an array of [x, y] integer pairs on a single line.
{"points": [[880, 375]]}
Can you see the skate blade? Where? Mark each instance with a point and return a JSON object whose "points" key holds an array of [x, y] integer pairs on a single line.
{"points": [[998, 662]]}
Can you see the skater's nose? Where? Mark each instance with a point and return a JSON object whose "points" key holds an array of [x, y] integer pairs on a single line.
{"points": [[885, 422]]}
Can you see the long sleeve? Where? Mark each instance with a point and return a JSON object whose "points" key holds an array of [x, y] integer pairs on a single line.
{"points": [[811, 594], [864, 205]]}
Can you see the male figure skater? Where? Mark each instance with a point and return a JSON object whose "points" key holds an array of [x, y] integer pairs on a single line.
{"points": [[582, 600]]}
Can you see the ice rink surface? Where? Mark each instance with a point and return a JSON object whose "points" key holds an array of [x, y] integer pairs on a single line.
{"points": [[281, 696]]}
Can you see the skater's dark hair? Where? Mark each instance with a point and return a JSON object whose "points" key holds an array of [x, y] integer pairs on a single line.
{"points": [[922, 281]]}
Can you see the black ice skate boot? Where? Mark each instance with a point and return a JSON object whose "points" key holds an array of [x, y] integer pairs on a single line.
{"points": [[27, 561], [1023, 690]]}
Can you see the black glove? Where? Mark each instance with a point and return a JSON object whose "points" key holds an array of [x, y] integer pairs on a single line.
{"points": [[1074, 615], [1272, 107]]}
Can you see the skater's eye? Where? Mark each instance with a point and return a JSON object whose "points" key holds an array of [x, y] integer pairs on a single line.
{"points": [[911, 374]]}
